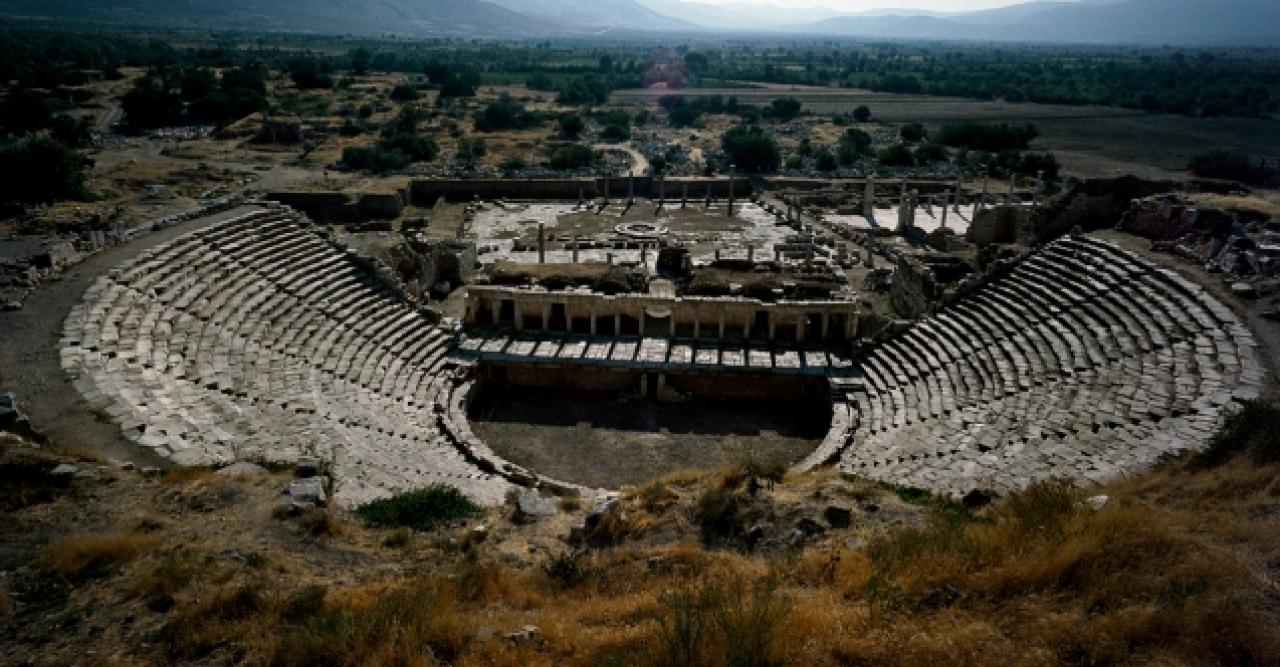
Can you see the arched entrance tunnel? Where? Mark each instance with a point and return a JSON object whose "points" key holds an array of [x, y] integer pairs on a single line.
{"points": [[609, 427]]}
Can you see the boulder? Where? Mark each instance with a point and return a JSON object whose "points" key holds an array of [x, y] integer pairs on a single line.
{"points": [[307, 490], [530, 505]]}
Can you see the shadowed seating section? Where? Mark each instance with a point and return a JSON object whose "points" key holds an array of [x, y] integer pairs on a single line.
{"points": [[255, 339], [1084, 362]]}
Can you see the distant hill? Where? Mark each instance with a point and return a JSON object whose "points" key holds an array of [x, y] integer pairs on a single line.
{"points": [[599, 13], [402, 17], [1174, 22]]}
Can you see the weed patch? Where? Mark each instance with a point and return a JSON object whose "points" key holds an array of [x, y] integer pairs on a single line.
{"points": [[423, 509]]}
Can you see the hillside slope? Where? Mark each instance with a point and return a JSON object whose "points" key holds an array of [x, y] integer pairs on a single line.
{"points": [[403, 17]]}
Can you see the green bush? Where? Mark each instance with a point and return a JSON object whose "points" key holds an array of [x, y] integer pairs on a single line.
{"points": [[422, 509], [897, 155], [1250, 430], [988, 137], [751, 149], [572, 156], [862, 114], [912, 133], [404, 93], [1229, 165], [39, 169]]}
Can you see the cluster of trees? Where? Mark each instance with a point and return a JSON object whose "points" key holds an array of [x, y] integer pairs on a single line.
{"points": [[686, 111], [990, 137], [571, 156], [751, 149], [1203, 83], [39, 163], [1233, 166], [399, 146], [506, 113], [175, 96]]}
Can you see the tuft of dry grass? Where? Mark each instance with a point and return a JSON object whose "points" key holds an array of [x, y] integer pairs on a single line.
{"points": [[180, 475], [89, 556]]}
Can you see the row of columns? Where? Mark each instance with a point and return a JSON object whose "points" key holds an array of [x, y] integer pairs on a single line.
{"points": [[801, 322]]}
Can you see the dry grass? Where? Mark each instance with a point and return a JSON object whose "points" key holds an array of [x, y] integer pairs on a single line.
{"points": [[98, 555], [185, 475]]}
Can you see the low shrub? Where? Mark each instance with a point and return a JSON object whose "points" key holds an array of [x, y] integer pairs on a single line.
{"points": [[1251, 430], [423, 509]]}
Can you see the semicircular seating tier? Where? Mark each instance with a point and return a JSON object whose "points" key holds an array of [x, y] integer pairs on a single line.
{"points": [[255, 339], [1084, 362]]}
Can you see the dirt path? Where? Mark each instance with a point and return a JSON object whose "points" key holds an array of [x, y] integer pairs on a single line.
{"points": [[640, 164], [29, 361]]}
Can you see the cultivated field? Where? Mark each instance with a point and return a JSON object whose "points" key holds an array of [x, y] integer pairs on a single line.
{"points": [[1089, 141]]}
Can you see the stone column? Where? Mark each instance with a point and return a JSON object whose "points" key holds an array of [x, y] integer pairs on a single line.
{"points": [[662, 190], [606, 191], [644, 255], [593, 320], [617, 324], [707, 203], [519, 312], [542, 243], [673, 322], [1039, 188], [751, 253], [697, 322], [746, 329], [800, 327], [826, 324], [720, 335], [945, 206], [772, 326], [732, 177], [684, 195], [579, 198], [640, 317], [1008, 200], [546, 317], [982, 199], [631, 188], [869, 198], [575, 248], [717, 254], [959, 177]]}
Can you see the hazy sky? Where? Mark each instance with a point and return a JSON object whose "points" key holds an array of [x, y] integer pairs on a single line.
{"points": [[864, 5]]}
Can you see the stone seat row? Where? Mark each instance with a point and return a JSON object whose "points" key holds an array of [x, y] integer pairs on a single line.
{"points": [[1085, 358], [254, 338]]}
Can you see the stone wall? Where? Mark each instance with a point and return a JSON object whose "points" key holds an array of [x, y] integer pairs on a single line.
{"points": [[913, 288], [711, 384], [343, 207], [567, 189], [642, 314]]}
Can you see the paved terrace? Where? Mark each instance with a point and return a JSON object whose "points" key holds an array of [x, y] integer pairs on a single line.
{"points": [[654, 353]]}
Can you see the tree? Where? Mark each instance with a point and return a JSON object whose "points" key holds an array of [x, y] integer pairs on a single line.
{"points": [[457, 86], [310, 73], [404, 93], [927, 153], [857, 139], [897, 155], [572, 156], [912, 133], [360, 59], [751, 149], [151, 104], [1229, 165], [992, 138], [826, 160], [862, 114], [616, 133], [39, 169], [784, 108], [505, 114], [571, 125]]}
